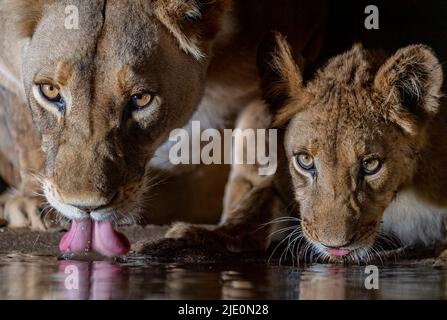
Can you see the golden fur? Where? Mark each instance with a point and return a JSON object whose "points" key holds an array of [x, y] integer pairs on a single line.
{"points": [[361, 105]]}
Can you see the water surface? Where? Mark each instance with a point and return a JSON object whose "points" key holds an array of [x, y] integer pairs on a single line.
{"points": [[45, 277]]}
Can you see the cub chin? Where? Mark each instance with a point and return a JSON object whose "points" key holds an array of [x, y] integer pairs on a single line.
{"points": [[364, 150]]}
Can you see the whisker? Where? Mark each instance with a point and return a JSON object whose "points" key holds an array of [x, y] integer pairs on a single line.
{"points": [[277, 246], [286, 250], [281, 231]]}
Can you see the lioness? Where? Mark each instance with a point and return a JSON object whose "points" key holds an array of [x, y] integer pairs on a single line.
{"points": [[364, 147], [85, 108]]}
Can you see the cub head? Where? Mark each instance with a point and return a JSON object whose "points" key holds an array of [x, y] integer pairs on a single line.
{"points": [[352, 136], [106, 81]]}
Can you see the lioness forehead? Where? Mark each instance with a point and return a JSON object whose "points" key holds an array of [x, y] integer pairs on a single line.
{"points": [[55, 35], [104, 37]]}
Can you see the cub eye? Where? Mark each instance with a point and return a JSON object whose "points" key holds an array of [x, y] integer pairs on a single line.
{"points": [[304, 161], [371, 166], [140, 101], [50, 92]]}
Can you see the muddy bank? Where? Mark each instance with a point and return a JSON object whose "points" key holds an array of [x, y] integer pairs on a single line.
{"points": [[46, 243], [148, 242]]}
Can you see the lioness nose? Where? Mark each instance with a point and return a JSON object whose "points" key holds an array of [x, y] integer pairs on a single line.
{"points": [[88, 203]]}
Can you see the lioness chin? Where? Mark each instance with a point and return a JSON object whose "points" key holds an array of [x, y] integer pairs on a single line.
{"points": [[364, 148]]}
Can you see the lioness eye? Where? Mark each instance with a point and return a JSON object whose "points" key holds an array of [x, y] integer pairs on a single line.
{"points": [[50, 92], [140, 101], [304, 161], [371, 166]]}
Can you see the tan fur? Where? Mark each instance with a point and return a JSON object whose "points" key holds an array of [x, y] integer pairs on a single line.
{"points": [[360, 105], [87, 159], [64, 72], [288, 69], [179, 18], [95, 158], [26, 14]]}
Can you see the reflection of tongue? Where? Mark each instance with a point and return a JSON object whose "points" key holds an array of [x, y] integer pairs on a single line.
{"points": [[98, 236]]}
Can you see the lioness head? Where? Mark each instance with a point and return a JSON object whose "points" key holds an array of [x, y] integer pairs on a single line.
{"points": [[106, 81], [352, 135]]}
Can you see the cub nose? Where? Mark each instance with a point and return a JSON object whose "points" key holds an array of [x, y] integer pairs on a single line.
{"points": [[332, 246]]}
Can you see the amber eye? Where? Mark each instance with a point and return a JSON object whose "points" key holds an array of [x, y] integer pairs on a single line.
{"points": [[305, 161], [50, 92], [140, 101], [371, 166]]}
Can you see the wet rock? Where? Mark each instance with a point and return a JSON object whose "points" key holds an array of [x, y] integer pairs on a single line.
{"points": [[441, 261], [190, 252]]}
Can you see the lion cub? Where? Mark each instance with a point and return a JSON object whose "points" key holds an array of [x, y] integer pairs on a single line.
{"points": [[364, 147], [361, 151]]}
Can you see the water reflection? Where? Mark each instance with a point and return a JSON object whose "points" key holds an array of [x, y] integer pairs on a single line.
{"points": [[32, 277], [101, 280], [315, 285]]}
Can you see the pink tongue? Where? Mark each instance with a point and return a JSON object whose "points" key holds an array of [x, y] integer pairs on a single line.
{"points": [[338, 252], [107, 241], [78, 238], [100, 237]]}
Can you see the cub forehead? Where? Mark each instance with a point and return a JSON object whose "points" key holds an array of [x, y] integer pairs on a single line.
{"points": [[322, 133]]}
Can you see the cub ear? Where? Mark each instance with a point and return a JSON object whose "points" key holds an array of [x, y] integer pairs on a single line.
{"points": [[281, 77], [410, 85], [195, 23], [26, 14]]}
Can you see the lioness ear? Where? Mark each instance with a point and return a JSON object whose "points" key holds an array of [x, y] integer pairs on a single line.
{"points": [[195, 23], [281, 77], [26, 14], [410, 85]]}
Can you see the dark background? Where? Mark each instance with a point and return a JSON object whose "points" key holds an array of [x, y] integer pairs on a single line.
{"points": [[401, 23]]}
